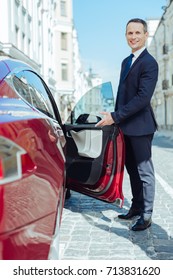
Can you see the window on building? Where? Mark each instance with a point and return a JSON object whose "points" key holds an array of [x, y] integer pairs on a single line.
{"points": [[63, 8], [49, 40], [17, 35], [23, 42], [17, 2], [63, 41], [29, 47], [30, 25], [40, 55], [64, 71]]}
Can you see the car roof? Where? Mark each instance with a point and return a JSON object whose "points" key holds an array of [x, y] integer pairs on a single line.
{"points": [[8, 64]]}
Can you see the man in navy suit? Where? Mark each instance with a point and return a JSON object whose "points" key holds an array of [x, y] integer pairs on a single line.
{"points": [[134, 115]]}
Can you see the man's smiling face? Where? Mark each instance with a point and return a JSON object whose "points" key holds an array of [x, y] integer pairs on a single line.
{"points": [[136, 36]]}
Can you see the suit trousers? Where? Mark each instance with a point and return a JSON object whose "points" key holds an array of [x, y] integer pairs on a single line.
{"points": [[140, 168]]}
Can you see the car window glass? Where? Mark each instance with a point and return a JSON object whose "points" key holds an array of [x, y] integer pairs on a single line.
{"points": [[96, 100], [32, 89], [20, 84]]}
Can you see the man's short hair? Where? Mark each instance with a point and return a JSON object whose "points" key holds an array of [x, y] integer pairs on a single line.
{"points": [[140, 21]]}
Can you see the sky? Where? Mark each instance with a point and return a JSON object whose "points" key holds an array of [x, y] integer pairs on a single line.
{"points": [[100, 26]]}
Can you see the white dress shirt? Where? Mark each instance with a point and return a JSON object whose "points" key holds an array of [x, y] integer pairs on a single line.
{"points": [[137, 53]]}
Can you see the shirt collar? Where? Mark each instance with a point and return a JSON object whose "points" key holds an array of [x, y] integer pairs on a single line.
{"points": [[138, 52]]}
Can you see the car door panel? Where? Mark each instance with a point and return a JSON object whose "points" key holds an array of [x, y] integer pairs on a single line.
{"points": [[86, 169], [88, 142], [94, 155], [94, 175]]}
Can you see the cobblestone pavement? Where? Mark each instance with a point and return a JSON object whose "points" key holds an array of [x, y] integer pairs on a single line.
{"points": [[91, 230]]}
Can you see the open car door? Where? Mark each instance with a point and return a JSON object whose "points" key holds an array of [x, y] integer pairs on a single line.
{"points": [[95, 155]]}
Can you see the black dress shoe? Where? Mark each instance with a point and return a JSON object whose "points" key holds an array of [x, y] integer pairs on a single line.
{"points": [[132, 213], [141, 224]]}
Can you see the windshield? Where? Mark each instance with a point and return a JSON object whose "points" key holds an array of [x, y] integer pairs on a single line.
{"points": [[96, 100]]}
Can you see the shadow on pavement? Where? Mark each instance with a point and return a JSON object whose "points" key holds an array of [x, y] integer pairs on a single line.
{"points": [[163, 142], [116, 235]]}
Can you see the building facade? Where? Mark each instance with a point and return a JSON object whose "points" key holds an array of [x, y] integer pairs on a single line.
{"points": [[63, 55], [161, 47], [27, 35], [42, 34]]}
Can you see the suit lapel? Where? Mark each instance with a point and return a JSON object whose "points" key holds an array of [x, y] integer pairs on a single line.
{"points": [[135, 62]]}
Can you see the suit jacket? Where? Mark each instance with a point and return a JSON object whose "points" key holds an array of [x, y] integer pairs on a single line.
{"points": [[133, 111]]}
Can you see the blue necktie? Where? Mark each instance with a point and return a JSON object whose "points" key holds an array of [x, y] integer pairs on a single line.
{"points": [[127, 66]]}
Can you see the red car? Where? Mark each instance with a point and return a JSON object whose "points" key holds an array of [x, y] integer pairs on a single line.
{"points": [[40, 158]]}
